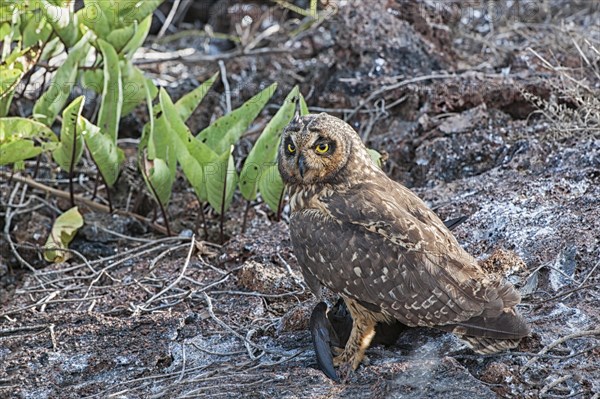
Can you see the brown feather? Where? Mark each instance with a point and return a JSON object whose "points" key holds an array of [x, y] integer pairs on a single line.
{"points": [[488, 346]]}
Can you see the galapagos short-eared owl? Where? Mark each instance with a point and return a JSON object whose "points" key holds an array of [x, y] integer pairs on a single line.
{"points": [[374, 242]]}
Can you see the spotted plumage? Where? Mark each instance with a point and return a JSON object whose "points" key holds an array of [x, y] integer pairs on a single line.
{"points": [[381, 248]]}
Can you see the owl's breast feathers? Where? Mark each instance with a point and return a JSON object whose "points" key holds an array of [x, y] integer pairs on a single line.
{"points": [[376, 242]]}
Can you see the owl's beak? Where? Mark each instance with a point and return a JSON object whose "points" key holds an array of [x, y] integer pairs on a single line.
{"points": [[301, 166]]}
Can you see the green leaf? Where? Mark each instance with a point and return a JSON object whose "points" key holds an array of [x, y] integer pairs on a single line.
{"points": [[34, 30], [7, 30], [55, 98], [64, 230], [9, 79], [70, 134], [12, 59], [158, 178], [376, 157], [303, 107], [157, 138], [192, 154], [15, 128], [22, 139], [52, 48], [119, 38], [94, 18], [18, 151], [105, 16], [228, 129], [221, 180], [7, 9], [138, 39], [133, 83], [160, 141], [134, 87], [187, 104], [131, 11], [147, 139], [104, 151], [112, 94], [93, 79], [158, 173], [63, 20], [271, 187], [264, 152], [12, 70]]}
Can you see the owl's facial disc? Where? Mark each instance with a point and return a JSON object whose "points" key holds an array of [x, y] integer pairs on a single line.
{"points": [[307, 158], [310, 152]]}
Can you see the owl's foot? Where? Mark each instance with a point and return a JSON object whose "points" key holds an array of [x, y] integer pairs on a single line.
{"points": [[353, 354], [343, 363], [339, 360], [347, 361], [356, 339], [336, 350], [352, 361]]}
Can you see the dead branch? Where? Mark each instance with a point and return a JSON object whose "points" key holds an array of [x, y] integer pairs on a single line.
{"points": [[230, 329], [81, 200], [558, 342], [188, 56], [554, 383], [178, 279]]}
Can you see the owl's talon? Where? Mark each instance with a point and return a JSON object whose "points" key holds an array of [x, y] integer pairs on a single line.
{"points": [[336, 350], [366, 361], [340, 360], [344, 360], [337, 361], [345, 371]]}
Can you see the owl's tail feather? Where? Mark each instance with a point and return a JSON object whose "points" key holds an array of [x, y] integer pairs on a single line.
{"points": [[486, 346], [491, 334], [507, 325]]}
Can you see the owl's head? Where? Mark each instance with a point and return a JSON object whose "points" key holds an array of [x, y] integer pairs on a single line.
{"points": [[317, 148]]}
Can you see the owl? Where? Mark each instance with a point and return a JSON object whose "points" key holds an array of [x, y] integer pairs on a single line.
{"points": [[376, 244]]}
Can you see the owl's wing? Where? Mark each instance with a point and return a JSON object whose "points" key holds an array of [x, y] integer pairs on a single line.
{"points": [[403, 259]]}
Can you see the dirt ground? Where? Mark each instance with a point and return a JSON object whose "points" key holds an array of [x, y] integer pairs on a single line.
{"points": [[489, 110]]}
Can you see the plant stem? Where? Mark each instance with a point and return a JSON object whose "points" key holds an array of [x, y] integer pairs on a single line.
{"points": [[224, 194], [10, 178], [95, 186], [110, 207], [72, 165], [203, 221], [245, 216], [71, 190], [37, 165], [279, 205], [163, 211]]}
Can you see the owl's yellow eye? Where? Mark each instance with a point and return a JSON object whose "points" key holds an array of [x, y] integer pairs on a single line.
{"points": [[322, 148], [291, 149]]}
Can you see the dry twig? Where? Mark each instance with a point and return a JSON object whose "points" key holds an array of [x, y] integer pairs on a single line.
{"points": [[177, 280], [80, 200], [558, 342]]}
